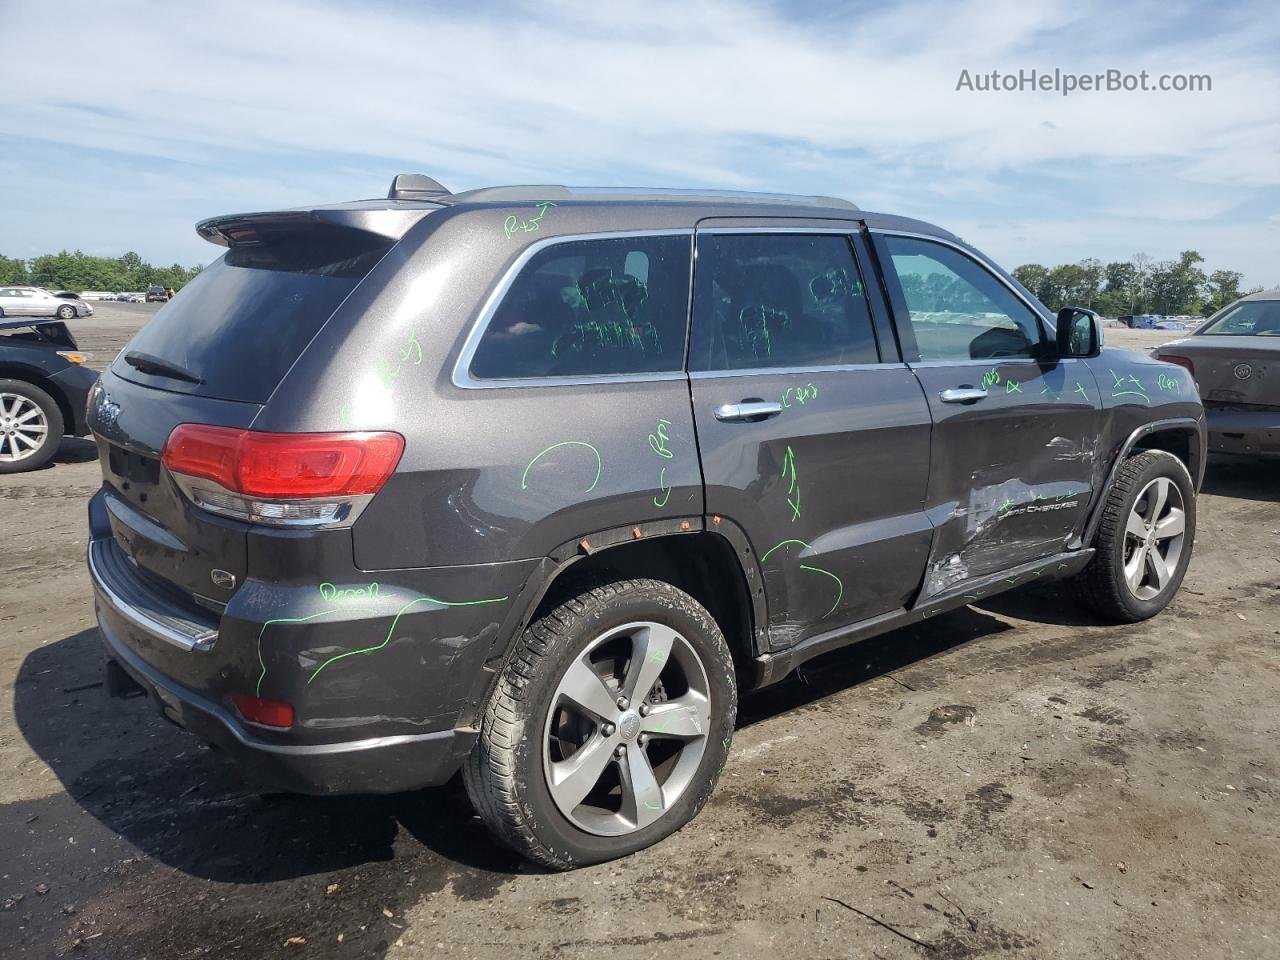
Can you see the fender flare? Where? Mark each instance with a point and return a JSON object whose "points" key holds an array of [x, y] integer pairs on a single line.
{"points": [[1196, 467]]}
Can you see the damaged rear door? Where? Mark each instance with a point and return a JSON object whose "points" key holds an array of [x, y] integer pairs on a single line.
{"points": [[1014, 428]]}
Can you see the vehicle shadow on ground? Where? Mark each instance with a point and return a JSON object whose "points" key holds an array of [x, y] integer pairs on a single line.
{"points": [[205, 834], [868, 660], [1243, 478], [75, 450]]}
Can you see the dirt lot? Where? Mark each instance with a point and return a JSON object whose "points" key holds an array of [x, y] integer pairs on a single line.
{"points": [[1010, 779]]}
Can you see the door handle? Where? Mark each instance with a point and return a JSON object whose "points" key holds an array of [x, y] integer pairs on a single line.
{"points": [[962, 395], [747, 410]]}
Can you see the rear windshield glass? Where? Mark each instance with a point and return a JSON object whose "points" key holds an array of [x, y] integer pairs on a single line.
{"points": [[1253, 318], [243, 321]]}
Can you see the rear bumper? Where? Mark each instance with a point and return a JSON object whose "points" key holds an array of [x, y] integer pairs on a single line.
{"points": [[375, 765], [1250, 432]]}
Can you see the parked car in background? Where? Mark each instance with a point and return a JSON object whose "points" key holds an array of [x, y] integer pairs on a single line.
{"points": [[156, 294], [130, 298], [24, 301], [97, 295], [1235, 359], [1141, 321], [44, 383], [588, 536]]}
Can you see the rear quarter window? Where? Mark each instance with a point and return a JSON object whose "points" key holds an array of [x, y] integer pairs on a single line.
{"points": [[591, 307], [244, 320]]}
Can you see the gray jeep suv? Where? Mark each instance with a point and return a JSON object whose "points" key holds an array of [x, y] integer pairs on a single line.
{"points": [[527, 482]]}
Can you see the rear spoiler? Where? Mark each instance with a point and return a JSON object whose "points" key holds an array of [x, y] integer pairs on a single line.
{"points": [[381, 218]]}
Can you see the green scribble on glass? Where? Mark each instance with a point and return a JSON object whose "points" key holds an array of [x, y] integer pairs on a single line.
{"points": [[666, 490], [1117, 393], [990, 378], [839, 585], [781, 543], [755, 329], [344, 414], [524, 478], [1006, 505], [834, 285], [1011, 580], [513, 224], [658, 440], [391, 630], [262, 663], [1081, 390], [1045, 389], [1012, 386]]}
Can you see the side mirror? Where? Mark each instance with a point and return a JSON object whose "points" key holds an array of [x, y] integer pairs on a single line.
{"points": [[1079, 333]]}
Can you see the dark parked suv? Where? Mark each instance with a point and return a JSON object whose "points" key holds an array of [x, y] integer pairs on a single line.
{"points": [[527, 481], [44, 385]]}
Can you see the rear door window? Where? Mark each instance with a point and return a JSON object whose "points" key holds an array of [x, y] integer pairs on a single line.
{"points": [[594, 307], [779, 300], [243, 321]]}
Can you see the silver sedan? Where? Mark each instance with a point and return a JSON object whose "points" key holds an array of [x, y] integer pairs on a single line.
{"points": [[39, 302]]}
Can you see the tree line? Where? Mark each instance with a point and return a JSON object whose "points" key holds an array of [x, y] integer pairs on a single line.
{"points": [[79, 272], [1137, 285]]}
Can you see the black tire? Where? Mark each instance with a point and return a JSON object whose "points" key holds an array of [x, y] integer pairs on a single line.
{"points": [[504, 774], [1102, 586], [53, 417], [66, 313]]}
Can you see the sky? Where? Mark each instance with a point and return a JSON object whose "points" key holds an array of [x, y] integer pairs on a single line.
{"points": [[123, 122]]}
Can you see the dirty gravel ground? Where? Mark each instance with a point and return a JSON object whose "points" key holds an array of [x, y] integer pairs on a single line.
{"points": [[1011, 779]]}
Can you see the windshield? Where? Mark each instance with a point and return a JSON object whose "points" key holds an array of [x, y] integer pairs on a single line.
{"points": [[1253, 318], [243, 321]]}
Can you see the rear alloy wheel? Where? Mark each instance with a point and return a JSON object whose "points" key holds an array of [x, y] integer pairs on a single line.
{"points": [[66, 313], [1144, 541], [609, 725], [30, 426]]}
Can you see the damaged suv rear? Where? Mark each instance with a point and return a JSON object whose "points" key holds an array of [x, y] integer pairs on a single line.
{"points": [[501, 482]]}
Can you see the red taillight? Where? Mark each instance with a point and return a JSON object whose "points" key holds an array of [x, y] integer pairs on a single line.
{"points": [[1180, 361], [269, 713], [284, 465]]}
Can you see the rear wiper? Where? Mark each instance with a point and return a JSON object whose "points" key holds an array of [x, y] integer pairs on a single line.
{"points": [[162, 368]]}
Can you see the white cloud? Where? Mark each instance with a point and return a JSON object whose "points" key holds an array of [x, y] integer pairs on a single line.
{"points": [[241, 101]]}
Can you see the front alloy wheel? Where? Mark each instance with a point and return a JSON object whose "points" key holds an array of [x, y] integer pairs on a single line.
{"points": [[1144, 539], [1154, 535]]}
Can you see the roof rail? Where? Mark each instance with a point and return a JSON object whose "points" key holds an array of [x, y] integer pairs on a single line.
{"points": [[668, 194], [416, 186]]}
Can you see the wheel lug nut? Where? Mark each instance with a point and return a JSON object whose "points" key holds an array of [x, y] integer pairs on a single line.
{"points": [[621, 751], [623, 703], [607, 729], [644, 709], [644, 738]]}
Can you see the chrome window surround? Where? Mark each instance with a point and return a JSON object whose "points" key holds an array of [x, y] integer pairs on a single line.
{"points": [[982, 262], [462, 368]]}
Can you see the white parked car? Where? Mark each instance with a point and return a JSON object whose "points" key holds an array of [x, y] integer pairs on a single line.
{"points": [[39, 302]]}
